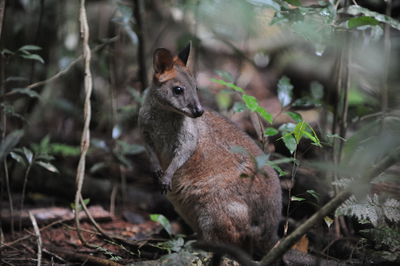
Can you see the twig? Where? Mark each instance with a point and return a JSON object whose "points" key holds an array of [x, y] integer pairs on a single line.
{"points": [[39, 238], [53, 255], [85, 139], [286, 243], [138, 11]]}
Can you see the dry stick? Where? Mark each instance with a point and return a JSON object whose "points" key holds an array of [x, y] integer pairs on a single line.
{"points": [[138, 11], [286, 243], [39, 238], [85, 139]]}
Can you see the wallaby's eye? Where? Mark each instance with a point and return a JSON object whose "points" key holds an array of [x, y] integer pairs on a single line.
{"points": [[178, 90]]}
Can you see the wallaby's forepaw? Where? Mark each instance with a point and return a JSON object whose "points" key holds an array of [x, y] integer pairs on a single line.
{"points": [[166, 184], [157, 175], [165, 187]]}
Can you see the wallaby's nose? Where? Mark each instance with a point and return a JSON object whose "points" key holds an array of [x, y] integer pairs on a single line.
{"points": [[198, 111]]}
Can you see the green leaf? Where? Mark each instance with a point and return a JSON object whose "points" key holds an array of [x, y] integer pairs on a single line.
{"points": [[356, 97], [28, 155], [361, 21], [161, 219], [315, 138], [270, 131], [279, 170], [312, 138], [299, 131], [17, 157], [7, 52], [228, 84], [335, 136], [287, 127], [294, 2], [328, 221], [290, 142], [295, 116], [30, 47], [264, 114], [86, 201], [285, 91], [64, 150], [294, 198], [79, 207], [250, 101], [48, 166], [35, 57], [356, 10], [9, 142], [29, 92], [313, 193]]}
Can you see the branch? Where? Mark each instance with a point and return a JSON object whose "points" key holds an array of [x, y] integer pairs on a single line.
{"points": [[286, 243]]}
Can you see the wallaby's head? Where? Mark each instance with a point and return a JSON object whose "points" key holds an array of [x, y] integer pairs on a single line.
{"points": [[174, 86]]}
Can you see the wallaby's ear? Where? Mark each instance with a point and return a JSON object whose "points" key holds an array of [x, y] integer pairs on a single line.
{"points": [[184, 54], [162, 60]]}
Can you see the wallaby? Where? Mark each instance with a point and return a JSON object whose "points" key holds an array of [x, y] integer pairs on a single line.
{"points": [[217, 191]]}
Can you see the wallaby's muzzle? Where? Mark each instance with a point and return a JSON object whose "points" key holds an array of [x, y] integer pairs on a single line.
{"points": [[196, 110]]}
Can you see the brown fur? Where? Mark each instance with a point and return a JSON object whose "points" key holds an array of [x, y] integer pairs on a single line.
{"points": [[210, 194]]}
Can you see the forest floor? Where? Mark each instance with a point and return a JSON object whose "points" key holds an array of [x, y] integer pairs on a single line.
{"points": [[60, 243]]}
